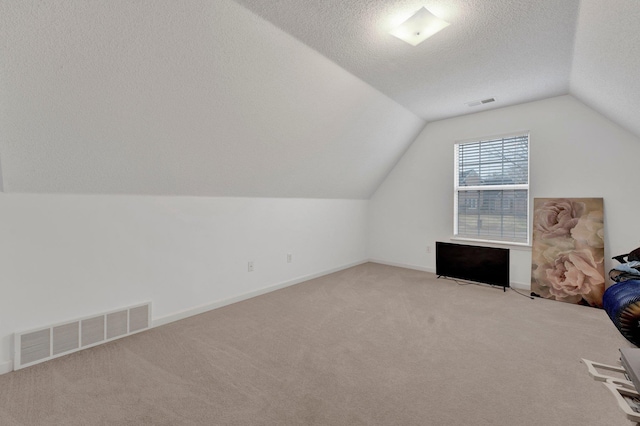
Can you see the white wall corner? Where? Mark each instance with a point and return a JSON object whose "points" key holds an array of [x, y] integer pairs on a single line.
{"points": [[176, 316], [6, 367], [403, 265]]}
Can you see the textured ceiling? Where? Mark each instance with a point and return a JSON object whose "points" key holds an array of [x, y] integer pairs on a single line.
{"points": [[606, 65], [279, 98], [515, 51]]}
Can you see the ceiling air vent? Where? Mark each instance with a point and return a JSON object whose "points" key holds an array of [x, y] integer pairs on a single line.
{"points": [[480, 102]]}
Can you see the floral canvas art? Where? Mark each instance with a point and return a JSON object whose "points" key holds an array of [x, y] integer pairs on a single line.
{"points": [[568, 250]]}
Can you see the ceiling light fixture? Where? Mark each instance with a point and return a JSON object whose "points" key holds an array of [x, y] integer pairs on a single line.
{"points": [[422, 25]]}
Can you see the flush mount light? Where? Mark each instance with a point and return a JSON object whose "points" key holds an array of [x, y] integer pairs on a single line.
{"points": [[422, 25]]}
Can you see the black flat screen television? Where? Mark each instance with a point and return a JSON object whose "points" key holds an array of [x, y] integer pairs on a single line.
{"points": [[486, 265]]}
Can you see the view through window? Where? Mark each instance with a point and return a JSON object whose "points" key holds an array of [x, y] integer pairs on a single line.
{"points": [[492, 189]]}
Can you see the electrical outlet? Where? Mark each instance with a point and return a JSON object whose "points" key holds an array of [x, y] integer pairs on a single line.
{"points": [[428, 249], [289, 258], [250, 266]]}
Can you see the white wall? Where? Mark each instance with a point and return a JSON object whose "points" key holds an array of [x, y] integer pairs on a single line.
{"points": [[67, 256], [197, 97], [575, 152]]}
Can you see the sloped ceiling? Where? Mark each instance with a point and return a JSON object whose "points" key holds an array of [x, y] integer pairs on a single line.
{"points": [[606, 63], [282, 98], [515, 51], [183, 98]]}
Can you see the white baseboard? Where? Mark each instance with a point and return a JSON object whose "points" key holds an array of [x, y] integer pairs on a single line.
{"points": [[6, 367], [403, 265], [220, 303], [519, 286]]}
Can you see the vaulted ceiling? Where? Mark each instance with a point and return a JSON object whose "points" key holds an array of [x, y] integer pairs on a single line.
{"points": [[515, 51], [281, 98]]}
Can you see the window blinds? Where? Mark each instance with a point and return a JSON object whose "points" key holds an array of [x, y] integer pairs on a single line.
{"points": [[492, 189]]}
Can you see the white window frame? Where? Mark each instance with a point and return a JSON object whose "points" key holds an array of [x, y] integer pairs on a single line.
{"points": [[458, 188]]}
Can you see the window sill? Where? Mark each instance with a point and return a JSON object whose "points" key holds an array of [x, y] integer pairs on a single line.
{"points": [[498, 244]]}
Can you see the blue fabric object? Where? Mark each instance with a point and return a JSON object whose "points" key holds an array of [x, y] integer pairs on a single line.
{"points": [[629, 267], [621, 301]]}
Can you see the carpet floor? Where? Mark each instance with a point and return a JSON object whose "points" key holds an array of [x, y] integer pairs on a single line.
{"points": [[370, 345]]}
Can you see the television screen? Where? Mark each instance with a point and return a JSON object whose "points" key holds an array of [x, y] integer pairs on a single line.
{"points": [[474, 263]]}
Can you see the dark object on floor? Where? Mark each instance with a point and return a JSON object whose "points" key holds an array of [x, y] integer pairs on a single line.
{"points": [[488, 265], [621, 301]]}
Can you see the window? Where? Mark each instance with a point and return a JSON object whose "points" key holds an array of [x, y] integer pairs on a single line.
{"points": [[491, 200]]}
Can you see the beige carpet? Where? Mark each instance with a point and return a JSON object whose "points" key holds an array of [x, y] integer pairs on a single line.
{"points": [[371, 345]]}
